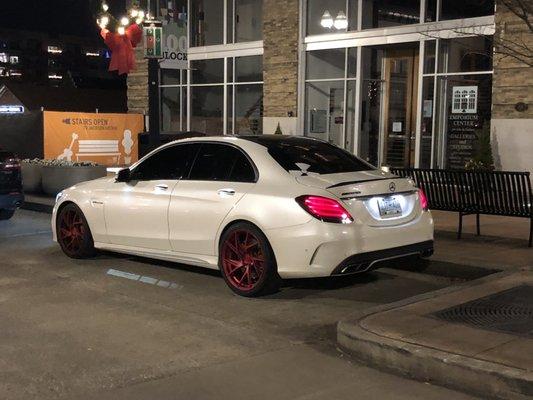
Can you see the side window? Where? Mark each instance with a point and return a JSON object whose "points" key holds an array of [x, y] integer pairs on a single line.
{"points": [[219, 162], [242, 170], [170, 163]]}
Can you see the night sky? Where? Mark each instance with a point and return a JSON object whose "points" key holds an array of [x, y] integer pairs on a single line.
{"points": [[71, 17]]}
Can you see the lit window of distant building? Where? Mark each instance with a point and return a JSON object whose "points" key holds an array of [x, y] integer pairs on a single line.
{"points": [[55, 50]]}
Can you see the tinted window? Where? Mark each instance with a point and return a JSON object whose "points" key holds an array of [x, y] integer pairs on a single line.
{"points": [[242, 170], [322, 158], [218, 162], [170, 163]]}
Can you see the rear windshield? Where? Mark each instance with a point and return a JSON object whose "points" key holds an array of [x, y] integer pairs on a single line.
{"points": [[322, 158]]}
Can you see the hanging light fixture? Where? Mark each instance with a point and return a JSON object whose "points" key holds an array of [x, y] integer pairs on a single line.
{"points": [[327, 20], [341, 22]]}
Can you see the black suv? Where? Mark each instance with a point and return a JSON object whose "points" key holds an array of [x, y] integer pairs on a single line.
{"points": [[11, 196]]}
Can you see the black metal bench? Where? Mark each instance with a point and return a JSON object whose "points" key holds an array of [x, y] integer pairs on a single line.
{"points": [[475, 192]]}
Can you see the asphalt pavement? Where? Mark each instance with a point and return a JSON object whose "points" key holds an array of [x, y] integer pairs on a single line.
{"points": [[120, 327]]}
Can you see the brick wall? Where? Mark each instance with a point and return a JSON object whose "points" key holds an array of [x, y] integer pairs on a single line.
{"points": [[280, 60], [513, 80]]}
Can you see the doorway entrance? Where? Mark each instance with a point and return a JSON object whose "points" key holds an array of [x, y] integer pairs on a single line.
{"points": [[399, 107]]}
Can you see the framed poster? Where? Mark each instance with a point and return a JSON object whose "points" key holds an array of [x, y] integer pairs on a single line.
{"points": [[318, 121]]}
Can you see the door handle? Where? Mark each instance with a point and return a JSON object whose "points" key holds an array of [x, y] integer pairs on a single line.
{"points": [[161, 187], [226, 192]]}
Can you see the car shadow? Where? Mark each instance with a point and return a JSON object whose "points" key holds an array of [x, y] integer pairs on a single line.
{"points": [[108, 255], [333, 286]]}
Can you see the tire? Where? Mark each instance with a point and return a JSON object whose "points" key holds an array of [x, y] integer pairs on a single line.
{"points": [[73, 233], [6, 214], [247, 261]]}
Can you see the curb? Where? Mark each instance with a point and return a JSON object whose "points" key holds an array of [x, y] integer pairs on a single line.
{"points": [[479, 377]]}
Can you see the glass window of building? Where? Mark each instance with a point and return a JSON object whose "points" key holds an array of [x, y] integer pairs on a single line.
{"points": [[371, 98], [245, 20], [245, 113], [231, 104], [330, 95], [466, 54], [457, 9], [243, 23], [207, 22], [327, 16], [173, 100], [385, 13], [456, 102], [207, 96]]}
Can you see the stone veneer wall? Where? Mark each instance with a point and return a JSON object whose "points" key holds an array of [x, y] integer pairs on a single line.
{"points": [[138, 85], [512, 131], [280, 64]]}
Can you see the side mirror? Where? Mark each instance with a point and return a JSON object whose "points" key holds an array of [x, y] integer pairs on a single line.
{"points": [[123, 175]]}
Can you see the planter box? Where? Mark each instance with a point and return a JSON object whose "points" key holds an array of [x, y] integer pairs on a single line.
{"points": [[31, 177], [56, 178]]}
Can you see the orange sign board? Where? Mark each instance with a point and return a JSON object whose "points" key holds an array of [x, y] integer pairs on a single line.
{"points": [[108, 139]]}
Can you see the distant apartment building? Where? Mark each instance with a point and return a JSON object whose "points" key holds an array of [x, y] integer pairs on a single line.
{"points": [[37, 58]]}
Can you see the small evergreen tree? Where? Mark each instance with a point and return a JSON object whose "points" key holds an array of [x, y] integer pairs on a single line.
{"points": [[482, 158], [278, 130]]}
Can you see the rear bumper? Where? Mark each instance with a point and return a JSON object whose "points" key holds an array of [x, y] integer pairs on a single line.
{"points": [[317, 249], [11, 201], [366, 261]]}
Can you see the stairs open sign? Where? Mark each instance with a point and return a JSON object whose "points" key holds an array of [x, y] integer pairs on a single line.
{"points": [[153, 39]]}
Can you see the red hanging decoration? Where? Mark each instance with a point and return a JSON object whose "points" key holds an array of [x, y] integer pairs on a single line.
{"points": [[121, 46]]}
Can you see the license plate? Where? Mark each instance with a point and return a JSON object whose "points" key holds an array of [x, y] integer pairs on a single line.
{"points": [[389, 207]]}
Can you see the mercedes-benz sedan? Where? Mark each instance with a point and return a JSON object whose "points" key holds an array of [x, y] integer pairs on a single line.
{"points": [[259, 208]]}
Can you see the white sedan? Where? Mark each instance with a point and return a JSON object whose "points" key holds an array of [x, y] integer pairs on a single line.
{"points": [[259, 208]]}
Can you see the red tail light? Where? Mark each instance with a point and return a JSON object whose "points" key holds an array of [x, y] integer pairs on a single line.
{"points": [[324, 209], [11, 163], [423, 200]]}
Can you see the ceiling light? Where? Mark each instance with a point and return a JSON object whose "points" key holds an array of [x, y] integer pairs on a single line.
{"points": [[341, 22], [327, 20]]}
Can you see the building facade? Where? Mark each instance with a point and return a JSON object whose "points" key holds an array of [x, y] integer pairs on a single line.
{"points": [[410, 83]]}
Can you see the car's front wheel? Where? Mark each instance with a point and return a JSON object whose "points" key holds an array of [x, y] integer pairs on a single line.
{"points": [[6, 214], [247, 261], [73, 233]]}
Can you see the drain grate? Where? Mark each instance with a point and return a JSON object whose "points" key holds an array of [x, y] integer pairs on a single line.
{"points": [[510, 311]]}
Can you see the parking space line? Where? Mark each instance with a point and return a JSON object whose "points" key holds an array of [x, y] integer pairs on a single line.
{"points": [[144, 279]]}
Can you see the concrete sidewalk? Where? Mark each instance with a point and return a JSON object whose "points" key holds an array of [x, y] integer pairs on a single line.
{"points": [[501, 245], [484, 347]]}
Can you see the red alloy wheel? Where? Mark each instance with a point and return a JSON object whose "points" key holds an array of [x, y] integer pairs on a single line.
{"points": [[71, 231], [243, 260]]}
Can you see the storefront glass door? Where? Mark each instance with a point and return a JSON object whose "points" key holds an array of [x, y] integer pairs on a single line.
{"points": [[389, 105], [400, 77]]}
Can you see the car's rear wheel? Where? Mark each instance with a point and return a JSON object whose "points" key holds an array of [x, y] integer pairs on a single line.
{"points": [[6, 214], [73, 233], [247, 261]]}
